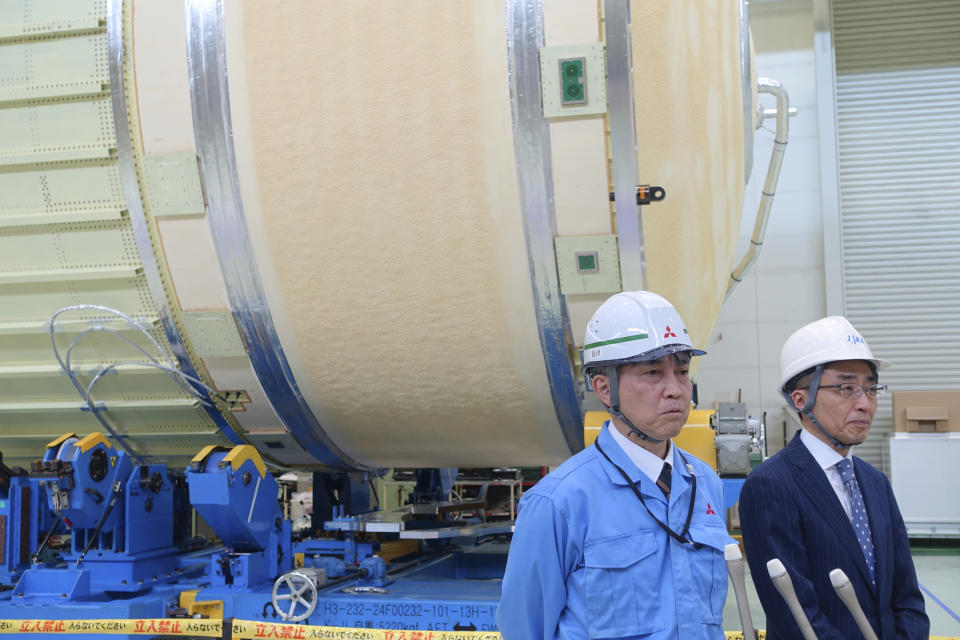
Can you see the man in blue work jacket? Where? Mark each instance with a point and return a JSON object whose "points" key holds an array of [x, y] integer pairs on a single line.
{"points": [[624, 539]]}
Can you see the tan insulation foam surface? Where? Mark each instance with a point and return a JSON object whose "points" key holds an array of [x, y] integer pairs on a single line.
{"points": [[688, 96], [384, 154], [166, 125]]}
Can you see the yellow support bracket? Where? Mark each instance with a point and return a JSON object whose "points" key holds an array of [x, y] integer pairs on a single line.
{"points": [[243, 452], [59, 441], [211, 609], [91, 440], [205, 452]]}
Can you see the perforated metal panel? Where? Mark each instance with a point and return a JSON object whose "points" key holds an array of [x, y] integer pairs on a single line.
{"points": [[66, 239], [898, 124]]}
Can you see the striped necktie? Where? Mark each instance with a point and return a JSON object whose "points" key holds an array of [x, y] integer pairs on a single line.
{"points": [[664, 480], [858, 513]]}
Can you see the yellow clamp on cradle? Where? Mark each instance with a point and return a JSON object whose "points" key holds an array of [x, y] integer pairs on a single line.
{"points": [[91, 440], [240, 454], [197, 461], [59, 441], [237, 456], [201, 609], [85, 443]]}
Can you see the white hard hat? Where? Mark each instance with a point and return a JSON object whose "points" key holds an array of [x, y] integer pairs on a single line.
{"points": [[826, 340], [634, 326]]}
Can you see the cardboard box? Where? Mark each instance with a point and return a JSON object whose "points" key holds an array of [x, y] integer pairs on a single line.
{"points": [[927, 419], [926, 411]]}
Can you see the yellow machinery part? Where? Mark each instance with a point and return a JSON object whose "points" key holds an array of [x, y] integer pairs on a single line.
{"points": [[592, 423], [206, 451], [394, 549], [56, 443], [91, 440], [695, 437], [699, 417], [205, 608], [243, 452]]}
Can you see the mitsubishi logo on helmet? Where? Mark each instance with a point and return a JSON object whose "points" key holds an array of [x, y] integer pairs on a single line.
{"points": [[669, 333]]}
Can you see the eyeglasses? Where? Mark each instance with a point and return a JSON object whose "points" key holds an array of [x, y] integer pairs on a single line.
{"points": [[849, 389]]}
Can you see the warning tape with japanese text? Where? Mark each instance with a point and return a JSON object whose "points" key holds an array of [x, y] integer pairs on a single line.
{"points": [[148, 627], [252, 630], [240, 630]]}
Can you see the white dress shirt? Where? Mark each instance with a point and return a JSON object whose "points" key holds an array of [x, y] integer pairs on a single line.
{"points": [[827, 457], [649, 463]]}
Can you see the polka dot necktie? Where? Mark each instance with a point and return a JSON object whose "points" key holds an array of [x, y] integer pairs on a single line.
{"points": [[858, 513]]}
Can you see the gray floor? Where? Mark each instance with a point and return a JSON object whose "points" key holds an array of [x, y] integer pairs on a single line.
{"points": [[938, 572]]}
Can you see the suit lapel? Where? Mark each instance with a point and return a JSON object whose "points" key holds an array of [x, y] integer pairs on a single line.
{"points": [[814, 484], [877, 514]]}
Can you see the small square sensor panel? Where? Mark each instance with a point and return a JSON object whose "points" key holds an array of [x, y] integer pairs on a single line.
{"points": [[573, 81], [587, 262]]}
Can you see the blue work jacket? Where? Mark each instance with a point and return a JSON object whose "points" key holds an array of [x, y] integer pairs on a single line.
{"points": [[588, 561]]}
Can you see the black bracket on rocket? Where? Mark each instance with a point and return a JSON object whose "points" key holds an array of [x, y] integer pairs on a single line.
{"points": [[646, 194]]}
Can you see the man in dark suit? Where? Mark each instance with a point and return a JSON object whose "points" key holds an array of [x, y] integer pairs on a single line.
{"points": [[817, 508]]}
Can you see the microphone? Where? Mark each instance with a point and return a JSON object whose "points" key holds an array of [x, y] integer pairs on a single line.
{"points": [[843, 587], [731, 553], [783, 583]]}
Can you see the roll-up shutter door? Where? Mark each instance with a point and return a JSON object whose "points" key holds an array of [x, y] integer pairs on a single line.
{"points": [[898, 129]]}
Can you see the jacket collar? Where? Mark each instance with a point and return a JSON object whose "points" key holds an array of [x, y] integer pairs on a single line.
{"points": [[680, 475]]}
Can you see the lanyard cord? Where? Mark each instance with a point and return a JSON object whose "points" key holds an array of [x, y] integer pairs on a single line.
{"points": [[682, 537]]}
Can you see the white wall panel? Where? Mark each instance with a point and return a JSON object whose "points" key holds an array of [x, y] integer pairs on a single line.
{"points": [[898, 164], [736, 345]]}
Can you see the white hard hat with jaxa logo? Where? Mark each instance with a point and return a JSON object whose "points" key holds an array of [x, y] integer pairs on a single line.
{"points": [[826, 340], [634, 326]]}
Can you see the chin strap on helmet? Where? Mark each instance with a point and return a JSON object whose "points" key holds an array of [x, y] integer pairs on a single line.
{"points": [[807, 409], [614, 407]]}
